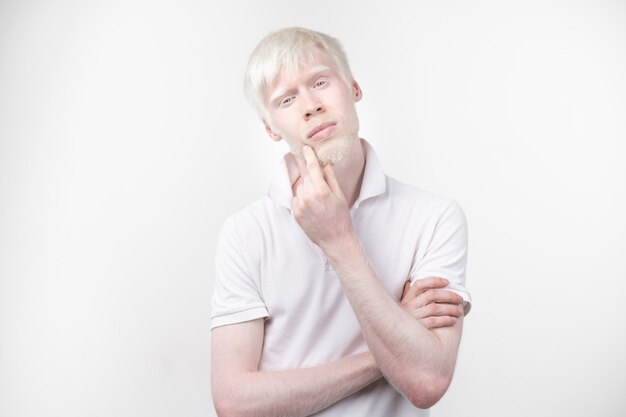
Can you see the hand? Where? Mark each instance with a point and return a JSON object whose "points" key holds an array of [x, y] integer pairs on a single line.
{"points": [[431, 305], [319, 205]]}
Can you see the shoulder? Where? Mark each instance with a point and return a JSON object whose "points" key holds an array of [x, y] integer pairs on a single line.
{"points": [[249, 224], [250, 218], [425, 202]]}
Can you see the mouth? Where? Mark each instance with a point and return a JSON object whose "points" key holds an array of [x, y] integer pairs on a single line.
{"points": [[321, 131]]}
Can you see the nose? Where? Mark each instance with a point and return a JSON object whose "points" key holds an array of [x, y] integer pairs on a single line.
{"points": [[312, 106]]}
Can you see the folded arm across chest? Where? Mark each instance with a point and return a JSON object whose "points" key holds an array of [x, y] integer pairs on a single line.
{"points": [[241, 389], [417, 361]]}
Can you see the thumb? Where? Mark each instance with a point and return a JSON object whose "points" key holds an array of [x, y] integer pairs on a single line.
{"points": [[331, 180], [405, 290]]}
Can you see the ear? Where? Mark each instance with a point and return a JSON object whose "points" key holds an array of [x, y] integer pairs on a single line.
{"points": [[270, 132], [356, 90]]}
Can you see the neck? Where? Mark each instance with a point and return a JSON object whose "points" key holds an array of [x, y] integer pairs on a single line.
{"points": [[349, 172]]}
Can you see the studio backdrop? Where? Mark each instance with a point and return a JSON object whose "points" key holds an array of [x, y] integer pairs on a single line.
{"points": [[126, 141]]}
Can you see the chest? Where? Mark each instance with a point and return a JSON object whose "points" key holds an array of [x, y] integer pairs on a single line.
{"points": [[296, 276]]}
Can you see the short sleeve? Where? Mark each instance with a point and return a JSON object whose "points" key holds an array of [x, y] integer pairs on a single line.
{"points": [[237, 295], [446, 253]]}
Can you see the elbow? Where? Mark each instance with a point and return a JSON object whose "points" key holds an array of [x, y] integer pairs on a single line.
{"points": [[224, 408], [231, 397], [425, 392], [227, 406]]}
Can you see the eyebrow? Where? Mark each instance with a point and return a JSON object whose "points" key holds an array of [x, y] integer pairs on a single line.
{"points": [[315, 72]]}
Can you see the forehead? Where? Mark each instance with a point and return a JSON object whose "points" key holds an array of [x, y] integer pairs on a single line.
{"points": [[308, 66]]}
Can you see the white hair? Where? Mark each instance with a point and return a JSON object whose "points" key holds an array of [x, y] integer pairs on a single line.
{"points": [[288, 49]]}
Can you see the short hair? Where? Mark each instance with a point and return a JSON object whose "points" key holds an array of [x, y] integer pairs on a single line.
{"points": [[288, 49]]}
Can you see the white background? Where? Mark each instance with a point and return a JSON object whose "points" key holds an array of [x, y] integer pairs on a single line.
{"points": [[125, 141]]}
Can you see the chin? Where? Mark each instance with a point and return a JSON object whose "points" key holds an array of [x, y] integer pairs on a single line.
{"points": [[335, 150]]}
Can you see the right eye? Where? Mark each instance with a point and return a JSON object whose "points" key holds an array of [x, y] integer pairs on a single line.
{"points": [[286, 100]]}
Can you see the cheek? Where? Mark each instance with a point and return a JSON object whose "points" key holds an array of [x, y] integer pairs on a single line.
{"points": [[288, 131], [349, 110], [280, 124]]}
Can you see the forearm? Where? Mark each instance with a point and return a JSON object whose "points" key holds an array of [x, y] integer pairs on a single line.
{"points": [[298, 392], [413, 358]]}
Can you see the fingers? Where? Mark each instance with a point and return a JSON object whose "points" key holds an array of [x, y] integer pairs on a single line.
{"points": [[425, 284], [331, 180], [405, 290], [437, 322], [322, 177], [428, 301], [438, 310], [313, 166], [436, 315], [436, 296], [302, 195]]}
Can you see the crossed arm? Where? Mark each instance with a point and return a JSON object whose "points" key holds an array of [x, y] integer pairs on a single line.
{"points": [[240, 389], [417, 361], [416, 356]]}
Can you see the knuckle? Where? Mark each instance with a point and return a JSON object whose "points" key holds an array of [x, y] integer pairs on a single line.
{"points": [[451, 311], [429, 296], [446, 310], [437, 309], [320, 193], [429, 322], [439, 322], [430, 309]]}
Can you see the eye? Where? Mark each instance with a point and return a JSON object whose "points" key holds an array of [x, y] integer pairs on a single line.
{"points": [[286, 100], [320, 83]]}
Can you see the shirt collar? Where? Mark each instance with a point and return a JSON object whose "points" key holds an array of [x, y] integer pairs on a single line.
{"points": [[286, 173]]}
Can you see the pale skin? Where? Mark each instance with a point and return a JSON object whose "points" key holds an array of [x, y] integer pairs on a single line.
{"points": [[412, 342], [417, 361], [240, 389]]}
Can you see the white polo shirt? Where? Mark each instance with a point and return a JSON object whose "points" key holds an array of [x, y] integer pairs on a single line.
{"points": [[267, 267]]}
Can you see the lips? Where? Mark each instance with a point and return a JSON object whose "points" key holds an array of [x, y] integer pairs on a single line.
{"points": [[317, 129]]}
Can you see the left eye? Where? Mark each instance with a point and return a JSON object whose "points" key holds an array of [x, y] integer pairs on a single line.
{"points": [[320, 83]]}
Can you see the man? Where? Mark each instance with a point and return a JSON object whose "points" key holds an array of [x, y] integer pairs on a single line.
{"points": [[311, 310]]}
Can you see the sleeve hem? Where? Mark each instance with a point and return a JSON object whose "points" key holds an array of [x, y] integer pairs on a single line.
{"points": [[452, 286], [239, 317]]}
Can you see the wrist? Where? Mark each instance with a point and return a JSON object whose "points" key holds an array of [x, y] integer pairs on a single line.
{"points": [[345, 248], [370, 365]]}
